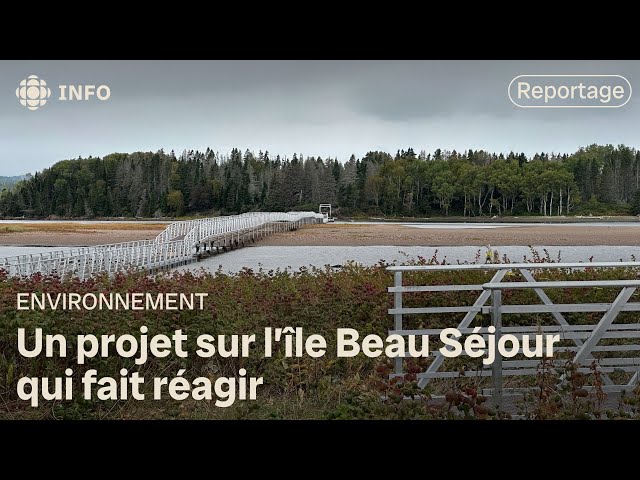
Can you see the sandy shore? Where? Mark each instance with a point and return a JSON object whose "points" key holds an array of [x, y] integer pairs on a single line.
{"points": [[70, 234], [400, 235]]}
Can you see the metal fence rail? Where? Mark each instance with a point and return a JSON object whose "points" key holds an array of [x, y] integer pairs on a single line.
{"points": [[178, 244], [585, 339]]}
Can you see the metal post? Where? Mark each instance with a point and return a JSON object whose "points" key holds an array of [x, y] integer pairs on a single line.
{"points": [[496, 321], [466, 321], [397, 300]]}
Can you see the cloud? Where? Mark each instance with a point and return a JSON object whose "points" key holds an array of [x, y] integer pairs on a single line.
{"points": [[319, 107]]}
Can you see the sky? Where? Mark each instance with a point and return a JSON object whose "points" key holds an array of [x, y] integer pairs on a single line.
{"points": [[320, 108]]}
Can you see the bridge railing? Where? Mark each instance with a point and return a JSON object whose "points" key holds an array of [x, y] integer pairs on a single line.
{"points": [[71, 252], [175, 230], [147, 255], [211, 227], [174, 245], [618, 358]]}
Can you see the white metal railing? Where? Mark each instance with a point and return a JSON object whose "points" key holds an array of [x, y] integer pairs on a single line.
{"points": [[175, 230], [144, 254], [584, 338], [178, 243], [211, 227]]}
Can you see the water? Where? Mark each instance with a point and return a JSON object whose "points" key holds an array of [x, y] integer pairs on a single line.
{"points": [[271, 258], [464, 225], [295, 257], [527, 225], [452, 225]]}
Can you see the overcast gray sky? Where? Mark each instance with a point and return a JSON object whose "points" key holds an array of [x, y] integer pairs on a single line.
{"points": [[326, 108]]}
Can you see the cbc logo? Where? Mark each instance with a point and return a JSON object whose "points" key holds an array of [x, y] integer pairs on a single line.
{"points": [[33, 92]]}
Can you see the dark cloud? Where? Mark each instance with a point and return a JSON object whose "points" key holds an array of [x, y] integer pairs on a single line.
{"points": [[328, 108]]}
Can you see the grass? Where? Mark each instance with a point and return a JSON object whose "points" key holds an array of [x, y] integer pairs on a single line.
{"points": [[12, 229], [71, 227]]}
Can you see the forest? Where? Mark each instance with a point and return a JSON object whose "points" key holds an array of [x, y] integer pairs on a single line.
{"points": [[9, 182], [594, 180]]}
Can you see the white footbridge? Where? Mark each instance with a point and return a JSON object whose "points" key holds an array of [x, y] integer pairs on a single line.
{"points": [[180, 243]]}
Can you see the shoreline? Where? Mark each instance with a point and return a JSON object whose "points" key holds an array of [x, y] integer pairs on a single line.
{"points": [[534, 219], [401, 235], [338, 234], [509, 219], [69, 234]]}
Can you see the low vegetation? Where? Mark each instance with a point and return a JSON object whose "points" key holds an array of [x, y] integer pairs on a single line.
{"points": [[74, 227], [319, 301]]}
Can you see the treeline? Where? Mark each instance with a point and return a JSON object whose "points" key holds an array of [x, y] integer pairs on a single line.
{"points": [[9, 182], [594, 179]]}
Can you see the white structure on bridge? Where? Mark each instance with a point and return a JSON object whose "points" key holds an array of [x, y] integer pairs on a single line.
{"points": [[180, 243]]}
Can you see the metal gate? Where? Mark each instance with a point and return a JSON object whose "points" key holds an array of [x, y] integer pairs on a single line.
{"points": [[618, 354]]}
